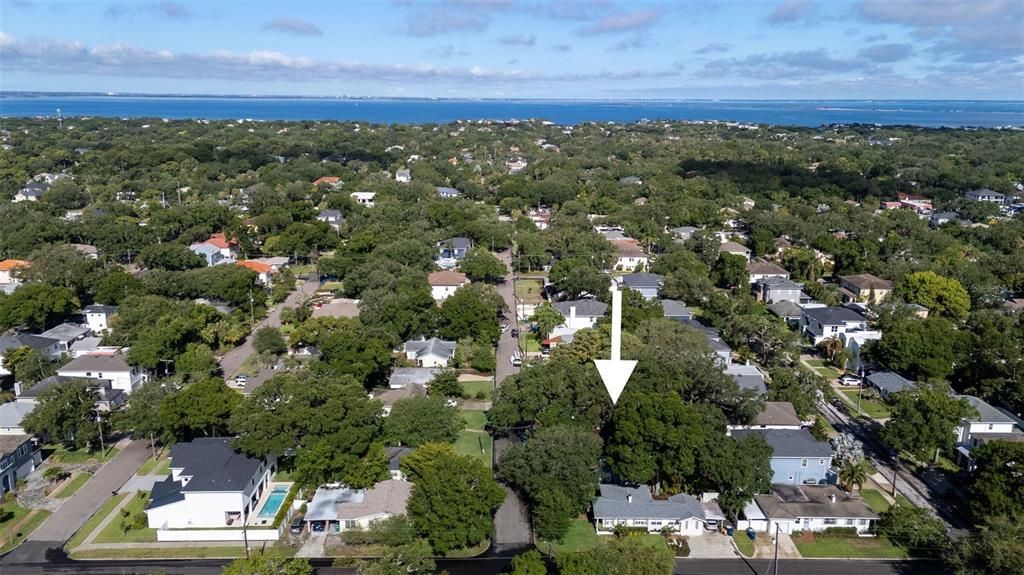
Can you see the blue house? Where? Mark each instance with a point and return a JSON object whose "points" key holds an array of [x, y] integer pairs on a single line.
{"points": [[797, 458]]}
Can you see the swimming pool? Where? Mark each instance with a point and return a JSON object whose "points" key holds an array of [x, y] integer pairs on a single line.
{"points": [[274, 501]]}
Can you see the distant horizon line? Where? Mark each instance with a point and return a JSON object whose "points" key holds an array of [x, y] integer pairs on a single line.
{"points": [[43, 93]]}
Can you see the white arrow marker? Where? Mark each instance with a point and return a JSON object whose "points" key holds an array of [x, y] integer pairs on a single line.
{"points": [[615, 372]]}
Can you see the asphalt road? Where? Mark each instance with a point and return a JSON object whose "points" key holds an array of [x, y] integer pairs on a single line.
{"points": [[233, 359], [507, 345]]}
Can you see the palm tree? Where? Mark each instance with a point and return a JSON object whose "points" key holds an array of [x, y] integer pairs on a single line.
{"points": [[854, 473]]}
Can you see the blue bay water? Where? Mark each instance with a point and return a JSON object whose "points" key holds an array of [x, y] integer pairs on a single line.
{"points": [[986, 114]]}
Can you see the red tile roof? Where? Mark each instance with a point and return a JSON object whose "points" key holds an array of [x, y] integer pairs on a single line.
{"points": [[258, 267], [326, 180], [8, 265], [220, 241]]}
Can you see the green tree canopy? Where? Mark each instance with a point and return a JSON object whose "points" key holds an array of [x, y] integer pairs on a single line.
{"points": [[200, 409], [923, 419], [997, 486], [481, 265], [941, 295], [417, 420], [67, 414]]}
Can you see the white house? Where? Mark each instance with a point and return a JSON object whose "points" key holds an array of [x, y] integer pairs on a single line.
{"points": [[66, 334], [807, 508], [634, 507], [759, 269], [444, 284], [364, 198], [97, 317], [210, 485], [581, 313], [109, 366], [822, 323], [332, 218], [773, 415], [8, 269], [216, 249], [854, 341], [447, 193], [985, 195], [404, 376], [989, 423], [342, 509], [403, 176], [647, 284], [629, 255], [46, 346], [431, 352], [264, 271]]}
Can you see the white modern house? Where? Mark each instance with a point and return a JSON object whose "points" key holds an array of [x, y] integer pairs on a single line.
{"points": [[112, 367], [985, 195], [97, 317], [443, 284], [403, 176], [433, 352], [210, 485], [634, 507], [364, 198], [822, 323], [629, 255], [580, 313], [987, 421], [854, 341]]}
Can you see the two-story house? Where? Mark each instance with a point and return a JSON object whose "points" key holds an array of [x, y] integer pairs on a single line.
{"points": [[210, 485], [797, 458], [647, 284], [748, 377], [97, 317], [9, 278], [986, 424], [759, 269], [365, 199], [113, 367], [581, 313], [264, 271], [450, 251], [854, 342], [216, 249], [19, 456], [629, 256], [736, 249], [778, 289], [985, 195], [864, 288], [822, 323], [444, 284]]}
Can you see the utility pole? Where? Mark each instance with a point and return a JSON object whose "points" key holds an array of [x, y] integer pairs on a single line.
{"points": [[252, 312], [99, 426]]}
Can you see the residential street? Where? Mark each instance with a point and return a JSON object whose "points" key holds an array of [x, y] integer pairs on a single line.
{"points": [[76, 510], [507, 345], [233, 359]]}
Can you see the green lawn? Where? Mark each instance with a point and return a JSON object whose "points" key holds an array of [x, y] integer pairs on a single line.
{"points": [[95, 521], [581, 536], [853, 547], [160, 465], [226, 552], [112, 532], [72, 485], [468, 443], [471, 388], [529, 291], [529, 341], [875, 499], [331, 286], [874, 409], [475, 420], [249, 367], [744, 543], [60, 454], [9, 539]]}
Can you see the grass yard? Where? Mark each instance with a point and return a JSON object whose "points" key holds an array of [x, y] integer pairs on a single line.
{"points": [[822, 369], [743, 543], [472, 388], [529, 291], [72, 485], [224, 552], [249, 367], [95, 521], [11, 538], [112, 533], [529, 341], [331, 286], [159, 466], [469, 442], [875, 500], [874, 409], [581, 536], [475, 420], [852, 547], [60, 454]]}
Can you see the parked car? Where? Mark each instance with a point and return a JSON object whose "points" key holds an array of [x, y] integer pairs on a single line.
{"points": [[504, 327], [318, 526], [515, 332], [240, 381], [296, 527], [517, 360], [849, 379]]}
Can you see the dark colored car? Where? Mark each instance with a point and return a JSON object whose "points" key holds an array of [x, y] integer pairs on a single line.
{"points": [[296, 527], [318, 526], [515, 332]]}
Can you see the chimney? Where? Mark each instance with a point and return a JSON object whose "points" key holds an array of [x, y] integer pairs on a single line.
{"points": [[629, 498], [572, 316]]}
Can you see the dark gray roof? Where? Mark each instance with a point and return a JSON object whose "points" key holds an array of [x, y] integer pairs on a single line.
{"points": [[100, 308], [747, 377], [97, 362], [643, 280], [107, 393], [11, 443], [985, 192], [395, 455], [789, 442], [776, 282], [795, 501], [672, 308], [986, 413], [66, 332], [459, 243], [833, 315], [329, 214], [615, 503], [584, 307], [165, 492], [432, 346], [213, 465], [889, 381], [786, 309], [16, 340], [446, 192]]}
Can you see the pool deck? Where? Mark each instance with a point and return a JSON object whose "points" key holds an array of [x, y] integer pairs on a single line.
{"points": [[255, 520]]}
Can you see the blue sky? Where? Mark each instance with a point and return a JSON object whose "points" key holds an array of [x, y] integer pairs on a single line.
{"points": [[935, 49]]}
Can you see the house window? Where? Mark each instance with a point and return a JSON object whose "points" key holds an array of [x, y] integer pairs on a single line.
{"points": [[88, 374], [349, 524], [848, 522], [807, 521], [803, 463], [640, 522], [821, 462], [862, 522], [655, 523], [829, 521], [990, 427]]}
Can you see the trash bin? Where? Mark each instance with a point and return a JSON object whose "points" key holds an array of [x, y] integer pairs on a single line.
{"points": [[729, 530], [751, 533]]}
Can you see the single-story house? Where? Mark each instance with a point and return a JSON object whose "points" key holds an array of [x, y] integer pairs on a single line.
{"points": [[66, 334], [821, 323], [97, 317], [403, 376], [389, 396], [888, 383], [210, 485], [808, 508], [444, 283], [634, 507], [581, 313], [736, 249], [11, 415], [773, 415], [403, 176], [985, 195], [760, 269], [446, 192], [675, 310], [19, 456], [33, 191], [941, 218], [264, 272], [108, 400], [332, 218], [109, 366], [431, 352], [778, 289], [342, 509], [864, 288], [684, 233], [647, 284], [747, 377], [787, 310], [797, 458]]}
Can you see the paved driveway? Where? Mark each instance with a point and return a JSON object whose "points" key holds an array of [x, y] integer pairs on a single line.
{"points": [[711, 546], [233, 359]]}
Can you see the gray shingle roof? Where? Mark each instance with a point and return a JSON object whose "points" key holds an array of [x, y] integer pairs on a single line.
{"points": [[890, 381], [459, 243], [779, 283], [777, 413], [165, 492], [395, 455], [747, 377], [786, 309], [402, 376], [36, 342], [100, 308], [66, 332], [789, 442], [835, 315], [643, 280], [98, 362], [672, 308], [213, 465], [986, 413], [446, 192], [584, 307], [432, 346], [795, 501], [12, 412], [615, 503]]}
